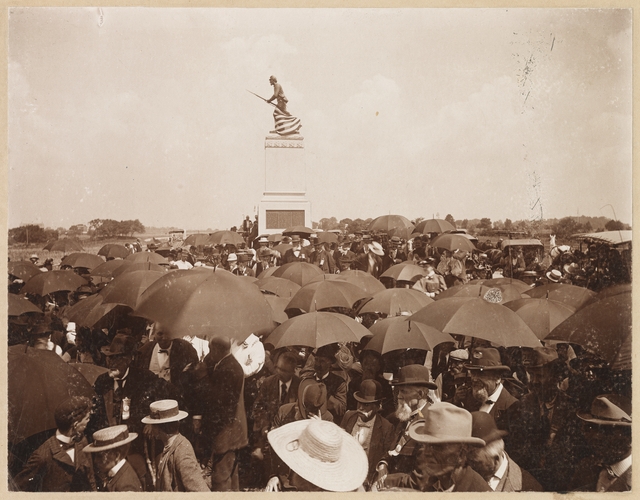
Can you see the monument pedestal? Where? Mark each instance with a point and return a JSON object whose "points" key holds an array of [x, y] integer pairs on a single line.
{"points": [[284, 203]]}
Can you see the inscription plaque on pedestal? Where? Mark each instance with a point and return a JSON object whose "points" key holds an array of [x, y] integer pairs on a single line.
{"points": [[277, 219]]}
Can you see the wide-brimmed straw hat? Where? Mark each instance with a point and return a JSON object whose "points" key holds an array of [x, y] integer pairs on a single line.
{"points": [[445, 423], [164, 411], [322, 453], [109, 438], [610, 410]]}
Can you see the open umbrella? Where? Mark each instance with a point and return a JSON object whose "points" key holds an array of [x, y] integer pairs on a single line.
{"points": [[64, 245], [282, 248], [153, 257], [107, 269], [53, 281], [327, 237], [278, 286], [278, 305], [603, 327], [19, 304], [197, 239], [225, 238], [323, 277], [89, 371], [301, 231], [131, 267], [38, 381], [316, 329], [392, 225], [542, 315], [391, 334], [127, 288], [23, 269], [268, 272], [275, 238], [113, 250], [433, 226], [451, 242], [405, 271], [521, 286], [475, 317], [396, 301], [298, 272], [323, 294], [362, 279], [206, 303], [609, 292], [573, 296], [498, 294], [91, 311], [82, 259]]}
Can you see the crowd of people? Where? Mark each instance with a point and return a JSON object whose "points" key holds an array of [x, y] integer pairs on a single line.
{"points": [[185, 414]]}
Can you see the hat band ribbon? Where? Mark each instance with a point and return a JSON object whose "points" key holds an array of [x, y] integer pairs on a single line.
{"points": [[160, 414], [116, 439]]}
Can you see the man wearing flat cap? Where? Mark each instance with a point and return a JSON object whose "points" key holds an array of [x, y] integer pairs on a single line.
{"points": [[492, 462], [412, 391], [60, 464], [444, 438], [372, 430], [607, 429]]}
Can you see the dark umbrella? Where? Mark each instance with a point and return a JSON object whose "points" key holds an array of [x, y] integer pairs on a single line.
{"points": [[542, 315], [324, 294], [131, 267], [282, 248], [89, 371], [476, 317], [153, 257], [396, 301], [275, 238], [302, 231], [405, 271], [451, 242], [391, 334], [92, 311], [277, 305], [573, 296], [392, 225], [603, 327], [278, 286], [268, 272], [327, 237], [316, 329], [610, 292], [113, 250], [38, 381], [498, 294], [197, 239], [127, 288], [19, 304], [298, 272], [520, 285], [64, 245], [23, 269], [82, 259], [206, 303], [107, 269], [433, 226], [225, 238], [53, 281], [362, 279]]}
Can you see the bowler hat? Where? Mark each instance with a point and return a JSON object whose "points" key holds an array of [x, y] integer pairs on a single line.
{"points": [[41, 329], [414, 375], [608, 409], [109, 438], [295, 238], [486, 359], [71, 410], [312, 394], [484, 427], [445, 423], [164, 411], [370, 392], [327, 351], [539, 357], [121, 344], [243, 257]]}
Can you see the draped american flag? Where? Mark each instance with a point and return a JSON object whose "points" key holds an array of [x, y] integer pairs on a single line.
{"points": [[285, 123]]}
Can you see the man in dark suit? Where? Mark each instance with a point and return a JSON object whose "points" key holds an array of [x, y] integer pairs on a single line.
{"points": [[370, 260], [220, 407], [60, 464], [607, 428], [373, 431], [343, 256], [166, 357], [394, 255], [295, 253], [321, 257], [324, 357]]}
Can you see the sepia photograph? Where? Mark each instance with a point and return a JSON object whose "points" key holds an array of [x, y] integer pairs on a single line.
{"points": [[319, 249]]}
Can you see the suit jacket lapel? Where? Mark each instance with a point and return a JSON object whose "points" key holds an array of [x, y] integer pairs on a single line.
{"points": [[108, 405]]}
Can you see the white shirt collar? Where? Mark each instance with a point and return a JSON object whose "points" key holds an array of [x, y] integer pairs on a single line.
{"points": [[622, 466], [114, 470], [62, 438], [499, 474], [486, 407]]}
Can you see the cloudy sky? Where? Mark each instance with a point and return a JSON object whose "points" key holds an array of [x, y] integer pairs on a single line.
{"points": [[142, 113]]}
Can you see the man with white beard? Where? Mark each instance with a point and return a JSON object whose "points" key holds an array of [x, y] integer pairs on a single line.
{"points": [[412, 390]]}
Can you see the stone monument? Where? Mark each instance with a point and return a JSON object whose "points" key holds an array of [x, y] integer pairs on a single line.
{"points": [[284, 203]]}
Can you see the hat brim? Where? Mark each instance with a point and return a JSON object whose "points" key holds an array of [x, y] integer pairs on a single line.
{"points": [[359, 398], [430, 385], [107, 352], [93, 449], [588, 417], [180, 416], [345, 474], [496, 368], [426, 438], [548, 275]]}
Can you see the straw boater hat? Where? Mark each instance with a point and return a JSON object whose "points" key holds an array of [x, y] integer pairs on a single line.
{"points": [[445, 423], [109, 438], [554, 275], [486, 359], [609, 410], [163, 412], [322, 453]]}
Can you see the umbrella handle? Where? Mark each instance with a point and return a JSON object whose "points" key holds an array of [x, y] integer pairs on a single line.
{"points": [[148, 459]]}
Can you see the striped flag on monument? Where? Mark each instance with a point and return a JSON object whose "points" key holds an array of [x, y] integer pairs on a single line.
{"points": [[285, 123]]}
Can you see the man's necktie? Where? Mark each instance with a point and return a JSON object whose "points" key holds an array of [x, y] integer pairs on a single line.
{"points": [[283, 393], [66, 446], [163, 351]]}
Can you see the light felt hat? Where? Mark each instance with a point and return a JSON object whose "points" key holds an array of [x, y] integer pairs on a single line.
{"points": [[164, 411], [322, 453], [609, 410], [109, 438], [445, 423]]}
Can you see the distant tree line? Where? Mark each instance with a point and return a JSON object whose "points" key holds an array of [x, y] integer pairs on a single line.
{"points": [[109, 228], [31, 233]]}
